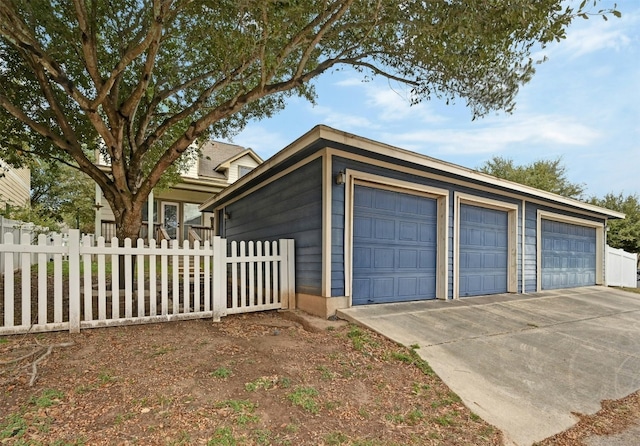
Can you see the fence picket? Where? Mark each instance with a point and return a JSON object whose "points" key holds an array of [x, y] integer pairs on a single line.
{"points": [[140, 279], [217, 279], [42, 282], [25, 280], [115, 281], [234, 275], [176, 277], [153, 298], [57, 280], [267, 274], [196, 275], [128, 280], [206, 280], [102, 282], [88, 288], [164, 271], [8, 282], [186, 285]]}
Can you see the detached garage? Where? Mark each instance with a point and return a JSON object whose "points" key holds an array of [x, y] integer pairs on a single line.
{"points": [[378, 224]]}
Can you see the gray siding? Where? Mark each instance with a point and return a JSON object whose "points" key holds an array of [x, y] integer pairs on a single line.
{"points": [[290, 207], [530, 248], [341, 164]]}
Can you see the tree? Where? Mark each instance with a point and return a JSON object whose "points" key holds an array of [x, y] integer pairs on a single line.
{"points": [[63, 194], [59, 195], [549, 175], [622, 234], [141, 80]]}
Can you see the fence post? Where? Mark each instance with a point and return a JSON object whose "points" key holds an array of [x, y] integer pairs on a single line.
{"points": [[218, 278], [287, 273], [73, 247]]}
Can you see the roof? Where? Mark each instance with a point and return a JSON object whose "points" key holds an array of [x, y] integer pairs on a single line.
{"points": [[333, 137], [216, 156]]}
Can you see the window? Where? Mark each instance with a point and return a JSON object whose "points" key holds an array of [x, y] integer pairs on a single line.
{"points": [[243, 170], [145, 211]]}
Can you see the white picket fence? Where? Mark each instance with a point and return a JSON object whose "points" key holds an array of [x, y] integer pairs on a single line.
{"points": [[160, 283], [621, 268]]}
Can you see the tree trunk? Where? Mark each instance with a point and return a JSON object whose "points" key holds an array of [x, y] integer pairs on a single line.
{"points": [[128, 224]]}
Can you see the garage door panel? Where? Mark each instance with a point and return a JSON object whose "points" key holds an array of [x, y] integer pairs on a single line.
{"points": [[408, 258], [401, 247], [408, 231], [383, 258], [483, 252], [568, 255], [383, 287], [385, 229]]}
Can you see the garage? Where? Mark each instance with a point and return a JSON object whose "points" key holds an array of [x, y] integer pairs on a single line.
{"points": [[568, 255], [394, 246], [483, 251]]}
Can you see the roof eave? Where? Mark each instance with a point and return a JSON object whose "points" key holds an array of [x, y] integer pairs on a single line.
{"points": [[338, 136]]}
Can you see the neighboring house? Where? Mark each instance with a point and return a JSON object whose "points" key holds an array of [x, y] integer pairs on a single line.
{"points": [[374, 223], [15, 185], [175, 210]]}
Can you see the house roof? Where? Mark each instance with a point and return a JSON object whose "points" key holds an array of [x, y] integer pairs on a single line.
{"points": [[216, 157], [330, 137]]}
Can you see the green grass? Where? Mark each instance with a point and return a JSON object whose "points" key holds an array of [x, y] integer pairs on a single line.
{"points": [[305, 398], [335, 438], [264, 382], [242, 410], [411, 357], [222, 373], [15, 426], [325, 373], [47, 398], [360, 338], [223, 436]]}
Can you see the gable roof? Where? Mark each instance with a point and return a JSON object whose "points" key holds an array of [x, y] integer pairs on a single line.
{"points": [[217, 156], [324, 136]]}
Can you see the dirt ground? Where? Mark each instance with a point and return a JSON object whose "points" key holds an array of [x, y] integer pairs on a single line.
{"points": [[257, 379]]}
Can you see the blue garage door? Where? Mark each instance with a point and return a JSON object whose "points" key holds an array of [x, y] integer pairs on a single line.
{"points": [[568, 255], [483, 251], [394, 246]]}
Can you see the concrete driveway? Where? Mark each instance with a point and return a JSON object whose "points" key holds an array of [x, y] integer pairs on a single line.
{"points": [[523, 363]]}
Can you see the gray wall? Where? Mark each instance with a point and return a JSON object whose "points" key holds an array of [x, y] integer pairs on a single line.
{"points": [[290, 207]]}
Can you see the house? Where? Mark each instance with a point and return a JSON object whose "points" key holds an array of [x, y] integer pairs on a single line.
{"points": [[15, 185], [375, 223], [175, 210]]}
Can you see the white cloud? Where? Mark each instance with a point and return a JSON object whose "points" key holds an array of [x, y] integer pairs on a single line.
{"points": [[262, 140], [589, 36], [496, 137], [343, 121]]}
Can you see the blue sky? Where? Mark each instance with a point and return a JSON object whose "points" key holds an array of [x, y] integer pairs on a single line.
{"points": [[583, 104]]}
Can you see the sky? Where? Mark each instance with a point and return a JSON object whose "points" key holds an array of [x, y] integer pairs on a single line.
{"points": [[583, 104]]}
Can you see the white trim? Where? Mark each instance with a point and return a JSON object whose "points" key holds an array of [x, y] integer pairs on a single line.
{"points": [[600, 242], [441, 196], [327, 183], [523, 257], [512, 233]]}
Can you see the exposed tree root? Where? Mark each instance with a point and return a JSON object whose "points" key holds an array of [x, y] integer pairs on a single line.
{"points": [[27, 363]]}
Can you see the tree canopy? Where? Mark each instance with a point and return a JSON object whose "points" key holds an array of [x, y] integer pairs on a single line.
{"points": [[549, 175], [623, 234], [141, 80]]}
